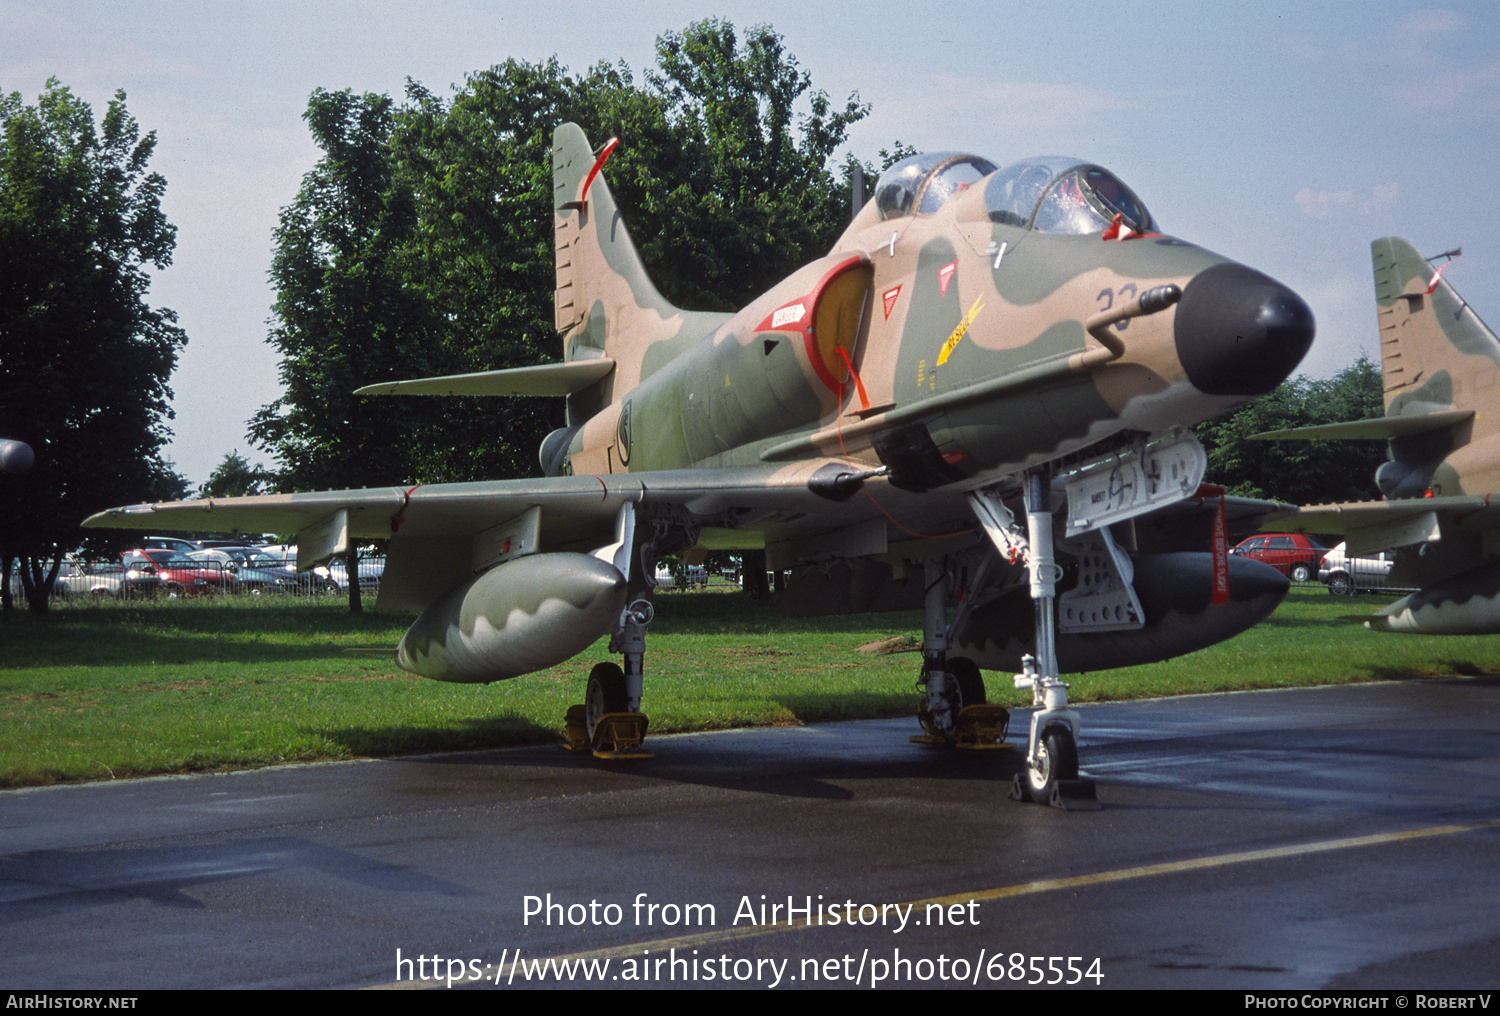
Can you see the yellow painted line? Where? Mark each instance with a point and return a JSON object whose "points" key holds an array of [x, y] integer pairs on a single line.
{"points": [[1218, 861], [1043, 885]]}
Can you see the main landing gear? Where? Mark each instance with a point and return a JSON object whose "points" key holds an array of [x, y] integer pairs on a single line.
{"points": [[610, 722], [954, 710]]}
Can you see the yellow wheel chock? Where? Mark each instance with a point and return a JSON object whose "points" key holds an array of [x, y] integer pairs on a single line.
{"points": [[976, 728], [616, 735]]}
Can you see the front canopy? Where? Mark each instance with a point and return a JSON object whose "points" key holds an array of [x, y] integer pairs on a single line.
{"points": [[1058, 194]]}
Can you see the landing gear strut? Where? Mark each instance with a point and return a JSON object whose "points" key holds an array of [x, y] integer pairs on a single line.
{"points": [[1051, 766], [610, 722], [953, 710]]}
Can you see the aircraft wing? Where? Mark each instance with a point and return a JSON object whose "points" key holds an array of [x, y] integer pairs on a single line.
{"points": [[542, 379], [725, 495], [1372, 526], [1381, 428], [440, 532]]}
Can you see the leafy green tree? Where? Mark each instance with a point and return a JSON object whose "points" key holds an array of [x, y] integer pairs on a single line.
{"points": [[718, 221], [84, 361], [746, 195], [422, 243], [1300, 472], [236, 477], [344, 316], [478, 168]]}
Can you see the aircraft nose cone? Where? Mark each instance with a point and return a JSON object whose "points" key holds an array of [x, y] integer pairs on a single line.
{"points": [[1239, 332]]}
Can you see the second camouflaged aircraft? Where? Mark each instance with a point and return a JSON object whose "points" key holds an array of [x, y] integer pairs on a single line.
{"points": [[974, 404], [1441, 369]]}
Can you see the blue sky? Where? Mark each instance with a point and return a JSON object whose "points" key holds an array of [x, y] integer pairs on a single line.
{"points": [[1287, 136]]}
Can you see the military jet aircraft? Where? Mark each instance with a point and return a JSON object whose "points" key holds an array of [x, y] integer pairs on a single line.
{"points": [[967, 405], [1441, 367]]}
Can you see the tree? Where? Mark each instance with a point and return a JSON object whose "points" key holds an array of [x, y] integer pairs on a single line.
{"points": [[478, 168], [745, 196], [1301, 472], [84, 361], [717, 222], [343, 315], [422, 243], [236, 477]]}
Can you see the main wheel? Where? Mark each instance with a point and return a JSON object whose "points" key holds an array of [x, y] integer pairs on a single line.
{"points": [[1301, 573], [1057, 759], [965, 684], [605, 694]]}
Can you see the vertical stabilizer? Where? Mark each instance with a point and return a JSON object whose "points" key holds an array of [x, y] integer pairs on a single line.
{"points": [[604, 297], [1435, 353]]}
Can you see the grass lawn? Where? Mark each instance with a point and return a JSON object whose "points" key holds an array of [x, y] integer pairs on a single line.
{"points": [[102, 690]]}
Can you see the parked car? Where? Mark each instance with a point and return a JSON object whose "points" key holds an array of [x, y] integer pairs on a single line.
{"points": [[371, 571], [250, 571], [180, 575], [672, 575], [112, 578], [60, 587], [332, 578], [1293, 554], [176, 543], [1345, 575]]}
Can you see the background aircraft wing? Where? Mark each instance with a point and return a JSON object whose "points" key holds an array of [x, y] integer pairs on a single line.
{"points": [[1188, 524], [1373, 526]]}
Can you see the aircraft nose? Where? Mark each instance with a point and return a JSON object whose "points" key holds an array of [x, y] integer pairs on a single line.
{"points": [[1239, 332]]}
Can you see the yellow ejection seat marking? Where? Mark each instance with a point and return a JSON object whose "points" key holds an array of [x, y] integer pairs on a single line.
{"points": [[958, 333], [1043, 885]]}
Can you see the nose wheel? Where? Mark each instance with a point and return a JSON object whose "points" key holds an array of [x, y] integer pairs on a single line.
{"points": [[1054, 764]]}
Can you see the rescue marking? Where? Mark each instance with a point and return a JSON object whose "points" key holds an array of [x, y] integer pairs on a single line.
{"points": [[958, 333]]}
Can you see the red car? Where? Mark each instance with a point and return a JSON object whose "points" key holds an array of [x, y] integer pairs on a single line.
{"points": [[180, 575], [1293, 554]]}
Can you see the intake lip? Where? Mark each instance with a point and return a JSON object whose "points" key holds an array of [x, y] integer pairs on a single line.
{"points": [[1240, 332]]}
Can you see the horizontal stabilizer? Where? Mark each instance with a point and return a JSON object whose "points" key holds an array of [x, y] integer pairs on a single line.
{"points": [[545, 379], [1382, 428]]}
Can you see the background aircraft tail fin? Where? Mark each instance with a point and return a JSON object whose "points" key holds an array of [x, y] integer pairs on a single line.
{"points": [[1436, 354], [604, 297]]}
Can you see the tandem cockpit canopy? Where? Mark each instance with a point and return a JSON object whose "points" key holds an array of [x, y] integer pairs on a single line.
{"points": [[1051, 194]]}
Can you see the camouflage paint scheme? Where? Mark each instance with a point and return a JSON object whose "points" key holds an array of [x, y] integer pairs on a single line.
{"points": [[970, 325], [1441, 370]]}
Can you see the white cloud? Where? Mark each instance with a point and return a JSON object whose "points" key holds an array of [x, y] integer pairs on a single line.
{"points": [[922, 104], [1324, 204], [1432, 22]]}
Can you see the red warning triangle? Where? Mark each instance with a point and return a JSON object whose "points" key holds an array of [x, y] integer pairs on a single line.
{"points": [[945, 275]]}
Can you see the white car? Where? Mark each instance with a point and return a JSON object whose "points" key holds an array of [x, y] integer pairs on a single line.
{"points": [[692, 575], [1345, 575]]}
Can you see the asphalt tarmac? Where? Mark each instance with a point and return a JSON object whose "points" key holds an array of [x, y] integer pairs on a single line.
{"points": [[1337, 837]]}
